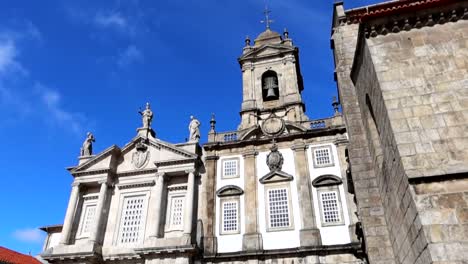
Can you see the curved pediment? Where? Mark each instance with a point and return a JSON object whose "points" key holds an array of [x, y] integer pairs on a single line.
{"points": [[276, 176], [229, 190], [327, 180], [255, 132], [267, 50]]}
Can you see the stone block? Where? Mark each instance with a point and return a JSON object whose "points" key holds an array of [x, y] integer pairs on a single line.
{"points": [[252, 242], [310, 237]]}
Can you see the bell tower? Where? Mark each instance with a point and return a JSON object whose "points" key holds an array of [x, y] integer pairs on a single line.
{"points": [[271, 79]]}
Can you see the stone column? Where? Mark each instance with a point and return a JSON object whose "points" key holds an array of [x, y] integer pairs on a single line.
{"points": [[188, 215], [309, 233], [154, 230], [252, 240], [99, 211], [208, 205], [70, 215]]}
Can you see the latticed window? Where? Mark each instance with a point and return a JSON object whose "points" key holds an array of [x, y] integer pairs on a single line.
{"points": [[230, 223], [278, 206], [323, 156], [177, 211], [230, 168], [87, 222], [132, 222], [330, 207]]}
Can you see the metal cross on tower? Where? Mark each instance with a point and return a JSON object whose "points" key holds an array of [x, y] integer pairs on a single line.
{"points": [[267, 20]]}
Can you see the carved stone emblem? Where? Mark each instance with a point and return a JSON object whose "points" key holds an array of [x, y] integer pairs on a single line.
{"points": [[141, 156], [272, 126], [275, 159]]}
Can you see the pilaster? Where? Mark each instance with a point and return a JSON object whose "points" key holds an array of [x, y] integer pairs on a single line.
{"points": [[99, 212], [309, 233], [208, 211], [252, 240], [154, 231], [188, 216]]}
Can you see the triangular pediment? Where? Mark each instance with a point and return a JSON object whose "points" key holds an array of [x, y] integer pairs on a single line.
{"points": [[276, 176], [267, 51], [142, 153]]}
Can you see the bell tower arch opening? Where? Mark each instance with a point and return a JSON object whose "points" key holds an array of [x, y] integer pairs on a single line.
{"points": [[270, 88]]}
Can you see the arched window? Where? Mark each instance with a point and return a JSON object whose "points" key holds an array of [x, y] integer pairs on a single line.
{"points": [[270, 88]]}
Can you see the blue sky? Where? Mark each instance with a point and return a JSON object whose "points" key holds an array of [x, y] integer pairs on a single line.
{"points": [[68, 67]]}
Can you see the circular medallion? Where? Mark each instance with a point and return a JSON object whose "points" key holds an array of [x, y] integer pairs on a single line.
{"points": [[273, 126]]}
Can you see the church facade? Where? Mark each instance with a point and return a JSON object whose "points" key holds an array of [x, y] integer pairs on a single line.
{"points": [[382, 182]]}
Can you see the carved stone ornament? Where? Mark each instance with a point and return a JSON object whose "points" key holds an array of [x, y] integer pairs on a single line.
{"points": [[275, 159], [141, 156], [272, 126]]}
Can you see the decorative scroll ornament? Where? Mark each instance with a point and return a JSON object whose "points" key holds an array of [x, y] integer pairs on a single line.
{"points": [[275, 159], [273, 126], [141, 156]]}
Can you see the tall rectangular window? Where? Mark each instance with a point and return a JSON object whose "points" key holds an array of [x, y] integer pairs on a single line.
{"points": [[230, 217], [278, 208], [176, 212], [87, 219], [132, 219], [323, 156], [230, 168], [330, 207]]}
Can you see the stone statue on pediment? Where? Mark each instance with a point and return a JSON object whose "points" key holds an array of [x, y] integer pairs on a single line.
{"points": [[87, 148], [147, 116], [194, 128]]}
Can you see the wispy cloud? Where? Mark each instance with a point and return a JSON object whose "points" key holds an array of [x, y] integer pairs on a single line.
{"points": [[129, 56], [29, 235], [8, 56], [113, 20], [52, 100]]}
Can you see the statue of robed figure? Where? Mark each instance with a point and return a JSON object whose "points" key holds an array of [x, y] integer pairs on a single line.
{"points": [[87, 148], [194, 128], [147, 116]]}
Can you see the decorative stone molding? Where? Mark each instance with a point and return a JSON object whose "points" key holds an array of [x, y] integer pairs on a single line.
{"points": [[276, 176], [135, 185], [93, 196], [229, 190], [326, 180], [137, 172], [174, 162], [249, 153], [177, 187], [90, 172]]}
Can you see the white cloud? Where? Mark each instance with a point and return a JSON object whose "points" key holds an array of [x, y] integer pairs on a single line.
{"points": [[129, 56], [111, 20], [52, 100], [7, 54], [30, 235]]}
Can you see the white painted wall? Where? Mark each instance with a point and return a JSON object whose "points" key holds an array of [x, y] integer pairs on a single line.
{"points": [[53, 240], [331, 235], [230, 242], [278, 239]]}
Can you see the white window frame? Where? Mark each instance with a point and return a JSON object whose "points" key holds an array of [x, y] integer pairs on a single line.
{"points": [[89, 200], [223, 163], [286, 187], [223, 201], [171, 196], [328, 189], [141, 235], [330, 152]]}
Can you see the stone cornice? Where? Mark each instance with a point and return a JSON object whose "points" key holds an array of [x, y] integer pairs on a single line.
{"points": [[174, 162], [135, 185], [91, 172], [137, 172]]}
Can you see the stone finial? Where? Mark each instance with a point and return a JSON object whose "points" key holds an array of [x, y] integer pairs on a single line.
{"points": [[335, 105], [194, 129], [87, 147], [286, 33], [247, 41], [212, 123]]}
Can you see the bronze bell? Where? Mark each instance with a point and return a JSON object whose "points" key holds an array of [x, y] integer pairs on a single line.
{"points": [[270, 85]]}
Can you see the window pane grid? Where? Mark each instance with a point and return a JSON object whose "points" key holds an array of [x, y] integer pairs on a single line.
{"points": [[177, 211], [322, 156], [132, 220], [88, 220], [230, 217], [331, 213], [278, 208], [230, 168]]}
